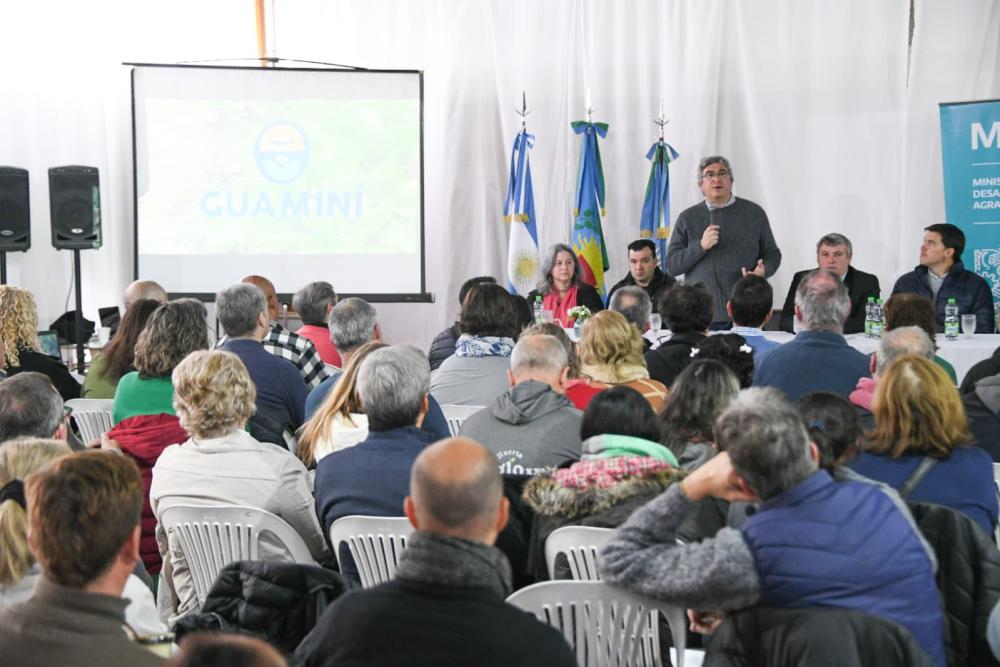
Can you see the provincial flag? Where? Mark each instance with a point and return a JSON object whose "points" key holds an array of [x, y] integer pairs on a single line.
{"points": [[587, 238], [655, 220], [519, 211]]}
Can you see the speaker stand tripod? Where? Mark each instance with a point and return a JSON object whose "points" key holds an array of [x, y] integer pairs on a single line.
{"points": [[78, 320], [3, 267]]}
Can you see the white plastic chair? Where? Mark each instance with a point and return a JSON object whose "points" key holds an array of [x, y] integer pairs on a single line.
{"points": [[580, 545], [92, 415], [606, 626], [375, 544], [456, 414], [212, 537]]}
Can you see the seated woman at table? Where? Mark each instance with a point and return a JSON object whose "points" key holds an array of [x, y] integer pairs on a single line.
{"points": [[562, 286], [118, 356], [611, 355], [919, 418], [19, 338], [904, 310]]}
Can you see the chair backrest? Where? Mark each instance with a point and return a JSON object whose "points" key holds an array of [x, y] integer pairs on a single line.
{"points": [[996, 485], [212, 537], [580, 545], [456, 414], [605, 625], [92, 416], [375, 544]]}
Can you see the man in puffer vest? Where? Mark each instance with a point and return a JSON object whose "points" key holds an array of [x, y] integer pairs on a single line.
{"points": [[812, 542]]}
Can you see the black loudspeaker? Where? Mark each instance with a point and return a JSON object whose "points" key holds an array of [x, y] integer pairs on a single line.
{"points": [[15, 213], [75, 206]]}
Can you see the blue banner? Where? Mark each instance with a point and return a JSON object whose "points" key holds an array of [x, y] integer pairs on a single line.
{"points": [[970, 152]]}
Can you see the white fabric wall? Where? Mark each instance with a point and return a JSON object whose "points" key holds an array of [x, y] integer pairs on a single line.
{"points": [[831, 125]]}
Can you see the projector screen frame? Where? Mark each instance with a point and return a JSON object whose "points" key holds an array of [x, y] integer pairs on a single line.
{"points": [[423, 296]]}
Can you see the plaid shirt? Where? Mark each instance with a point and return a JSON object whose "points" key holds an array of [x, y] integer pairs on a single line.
{"points": [[300, 351]]}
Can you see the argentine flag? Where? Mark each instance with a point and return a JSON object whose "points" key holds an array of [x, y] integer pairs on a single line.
{"points": [[519, 213]]}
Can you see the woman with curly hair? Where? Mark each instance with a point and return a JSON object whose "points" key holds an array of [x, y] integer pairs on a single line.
{"points": [[118, 356], [19, 340], [611, 354]]}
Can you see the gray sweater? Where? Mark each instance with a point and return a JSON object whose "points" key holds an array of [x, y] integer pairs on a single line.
{"points": [[744, 237]]}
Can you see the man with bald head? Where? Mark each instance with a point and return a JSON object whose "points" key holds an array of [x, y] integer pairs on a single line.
{"points": [[446, 602], [281, 342], [532, 426], [143, 289]]}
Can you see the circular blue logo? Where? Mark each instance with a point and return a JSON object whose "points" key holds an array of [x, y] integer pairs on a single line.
{"points": [[281, 151]]}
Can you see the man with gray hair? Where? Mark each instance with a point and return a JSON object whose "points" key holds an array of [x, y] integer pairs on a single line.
{"points": [[818, 358], [281, 394], [834, 253], [894, 344], [532, 426], [313, 303], [445, 603], [814, 542], [633, 303], [30, 407], [372, 478]]}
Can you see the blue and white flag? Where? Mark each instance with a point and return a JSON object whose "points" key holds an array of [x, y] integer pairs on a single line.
{"points": [[519, 212], [655, 221]]}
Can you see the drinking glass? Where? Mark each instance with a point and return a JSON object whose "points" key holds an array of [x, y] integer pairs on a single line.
{"points": [[655, 322], [548, 315], [968, 325]]}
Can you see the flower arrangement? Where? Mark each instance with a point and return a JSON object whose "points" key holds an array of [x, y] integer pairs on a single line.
{"points": [[578, 314]]}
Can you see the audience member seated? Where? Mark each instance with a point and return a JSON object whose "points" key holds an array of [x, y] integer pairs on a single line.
{"points": [[903, 310], [700, 394], [445, 606], [941, 276], [733, 351], [749, 308], [281, 396], [340, 421], [19, 571], [19, 339], [523, 314], [532, 426], [644, 273], [217, 649], [223, 465], [632, 303], [894, 344], [813, 542], [623, 467], [611, 354], [117, 357], [920, 443], [833, 427], [372, 477], [982, 407], [313, 303], [143, 289], [477, 373], [818, 358], [443, 345], [985, 368], [562, 287], [30, 407], [281, 342], [144, 403], [687, 311], [83, 527], [834, 253], [555, 329]]}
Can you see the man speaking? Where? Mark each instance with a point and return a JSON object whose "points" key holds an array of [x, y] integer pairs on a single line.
{"points": [[722, 239]]}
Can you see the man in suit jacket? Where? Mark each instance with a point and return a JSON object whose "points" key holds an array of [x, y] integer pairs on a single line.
{"points": [[834, 252]]}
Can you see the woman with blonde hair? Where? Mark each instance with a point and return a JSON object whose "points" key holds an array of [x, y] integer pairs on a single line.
{"points": [[338, 423], [18, 569], [222, 465], [19, 340], [920, 442], [610, 354]]}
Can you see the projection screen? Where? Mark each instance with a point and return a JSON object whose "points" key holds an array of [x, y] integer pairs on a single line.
{"points": [[295, 174]]}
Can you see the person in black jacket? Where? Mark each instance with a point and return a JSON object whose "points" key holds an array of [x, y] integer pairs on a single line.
{"points": [[446, 603], [562, 286], [643, 272], [19, 338], [834, 252], [687, 312], [443, 345]]}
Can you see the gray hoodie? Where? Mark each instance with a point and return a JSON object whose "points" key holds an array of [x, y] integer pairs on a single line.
{"points": [[529, 427]]}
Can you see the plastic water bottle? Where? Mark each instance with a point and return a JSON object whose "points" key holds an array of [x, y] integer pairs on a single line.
{"points": [[878, 320], [869, 316], [537, 310], [951, 320]]}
